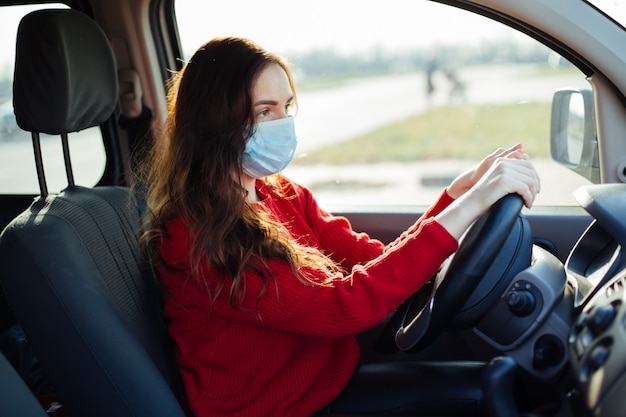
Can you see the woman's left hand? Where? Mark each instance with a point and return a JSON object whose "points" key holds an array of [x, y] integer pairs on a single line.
{"points": [[468, 179]]}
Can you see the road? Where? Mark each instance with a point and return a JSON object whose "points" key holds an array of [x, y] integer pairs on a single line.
{"points": [[329, 116]]}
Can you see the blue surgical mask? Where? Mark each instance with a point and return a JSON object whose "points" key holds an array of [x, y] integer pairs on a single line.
{"points": [[270, 149]]}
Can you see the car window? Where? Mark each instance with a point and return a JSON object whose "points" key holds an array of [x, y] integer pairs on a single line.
{"points": [[16, 176], [396, 98]]}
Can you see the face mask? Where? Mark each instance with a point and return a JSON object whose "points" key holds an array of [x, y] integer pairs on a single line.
{"points": [[270, 149]]}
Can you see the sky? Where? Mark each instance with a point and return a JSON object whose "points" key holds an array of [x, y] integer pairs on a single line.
{"points": [[289, 26]]}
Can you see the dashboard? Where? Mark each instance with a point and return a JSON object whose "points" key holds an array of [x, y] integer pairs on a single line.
{"points": [[566, 324], [597, 341]]}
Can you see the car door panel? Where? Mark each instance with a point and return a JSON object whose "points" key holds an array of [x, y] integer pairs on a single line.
{"points": [[555, 228]]}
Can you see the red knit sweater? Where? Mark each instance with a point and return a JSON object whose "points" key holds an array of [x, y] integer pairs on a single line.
{"points": [[295, 351]]}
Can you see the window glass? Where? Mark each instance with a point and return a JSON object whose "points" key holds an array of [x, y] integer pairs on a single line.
{"points": [[17, 163], [396, 98]]}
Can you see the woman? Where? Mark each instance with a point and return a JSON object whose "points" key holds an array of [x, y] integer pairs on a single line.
{"points": [[265, 291]]}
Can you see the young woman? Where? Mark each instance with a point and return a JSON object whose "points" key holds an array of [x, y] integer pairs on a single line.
{"points": [[265, 291]]}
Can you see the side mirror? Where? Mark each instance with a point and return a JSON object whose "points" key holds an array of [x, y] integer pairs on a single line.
{"points": [[573, 133]]}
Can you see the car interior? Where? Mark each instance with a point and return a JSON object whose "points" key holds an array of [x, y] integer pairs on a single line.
{"points": [[548, 343], [90, 235]]}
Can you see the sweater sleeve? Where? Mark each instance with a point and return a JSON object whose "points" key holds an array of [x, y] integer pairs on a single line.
{"points": [[342, 243], [352, 304], [335, 234], [443, 201]]}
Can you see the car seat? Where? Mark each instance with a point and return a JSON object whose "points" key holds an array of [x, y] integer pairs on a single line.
{"points": [[72, 271], [17, 400]]}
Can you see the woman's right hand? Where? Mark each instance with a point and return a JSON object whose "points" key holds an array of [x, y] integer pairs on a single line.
{"points": [[504, 176]]}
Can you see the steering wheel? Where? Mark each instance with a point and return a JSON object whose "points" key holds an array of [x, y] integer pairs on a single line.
{"points": [[462, 273]]}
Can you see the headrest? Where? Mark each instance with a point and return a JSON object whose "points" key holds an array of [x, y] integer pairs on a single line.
{"points": [[65, 75]]}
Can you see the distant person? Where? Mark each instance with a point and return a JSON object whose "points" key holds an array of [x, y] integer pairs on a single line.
{"points": [[457, 87], [431, 68], [266, 291]]}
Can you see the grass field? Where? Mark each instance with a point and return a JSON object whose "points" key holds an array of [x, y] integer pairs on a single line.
{"points": [[450, 132]]}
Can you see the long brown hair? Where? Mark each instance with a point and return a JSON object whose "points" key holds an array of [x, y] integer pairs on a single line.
{"points": [[194, 171]]}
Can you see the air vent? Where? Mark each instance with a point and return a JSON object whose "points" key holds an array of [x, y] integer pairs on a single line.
{"points": [[616, 287]]}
